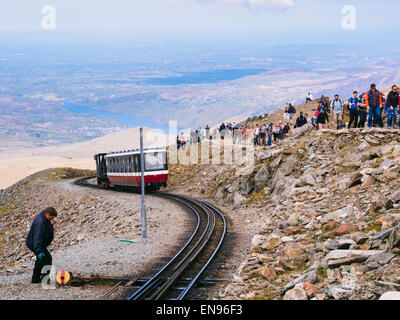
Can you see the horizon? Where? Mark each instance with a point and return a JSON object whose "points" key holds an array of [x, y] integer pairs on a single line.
{"points": [[277, 21]]}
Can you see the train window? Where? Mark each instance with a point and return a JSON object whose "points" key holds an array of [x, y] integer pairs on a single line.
{"points": [[136, 163], [155, 161], [130, 164]]}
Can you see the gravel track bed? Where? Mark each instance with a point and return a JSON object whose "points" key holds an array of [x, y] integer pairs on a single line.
{"points": [[101, 253]]}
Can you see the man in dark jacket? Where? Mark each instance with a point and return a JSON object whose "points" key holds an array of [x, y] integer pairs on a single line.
{"points": [[222, 130], [392, 104], [374, 103], [301, 121], [39, 238]]}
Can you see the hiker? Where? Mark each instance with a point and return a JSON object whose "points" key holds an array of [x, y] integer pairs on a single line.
{"points": [[269, 132], [222, 130], [263, 135], [291, 111], [353, 108], [208, 132], [309, 97], [256, 135], [285, 130], [277, 132], [192, 136], [182, 141], [286, 112], [322, 119], [362, 111], [337, 111], [392, 104], [240, 135], [235, 133], [199, 135], [314, 120], [178, 143], [373, 100], [246, 133], [40, 236], [307, 118], [301, 121]]}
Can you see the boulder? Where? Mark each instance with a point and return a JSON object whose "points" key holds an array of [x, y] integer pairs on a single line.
{"points": [[297, 293], [268, 273], [294, 249], [345, 243], [359, 237], [338, 293], [343, 229], [330, 226], [377, 260], [306, 179], [368, 181], [238, 199], [390, 295], [258, 240], [339, 214], [383, 235], [287, 167], [355, 180], [310, 277], [310, 289], [392, 199], [337, 258], [262, 177], [386, 164], [272, 242], [246, 187], [394, 238], [299, 132]]}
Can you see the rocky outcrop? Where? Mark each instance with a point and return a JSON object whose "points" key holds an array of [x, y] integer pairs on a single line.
{"points": [[329, 211]]}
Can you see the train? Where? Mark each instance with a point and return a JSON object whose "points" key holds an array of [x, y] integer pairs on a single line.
{"points": [[122, 169]]}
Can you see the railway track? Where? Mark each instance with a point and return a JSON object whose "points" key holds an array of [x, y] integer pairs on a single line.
{"points": [[183, 272]]}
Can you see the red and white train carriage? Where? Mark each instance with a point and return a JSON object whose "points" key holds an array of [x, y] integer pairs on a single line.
{"points": [[123, 168]]}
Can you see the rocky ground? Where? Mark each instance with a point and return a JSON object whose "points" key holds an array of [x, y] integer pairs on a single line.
{"points": [[88, 230], [325, 208]]}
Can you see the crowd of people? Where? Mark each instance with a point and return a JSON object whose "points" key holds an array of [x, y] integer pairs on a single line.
{"points": [[364, 109], [259, 135]]}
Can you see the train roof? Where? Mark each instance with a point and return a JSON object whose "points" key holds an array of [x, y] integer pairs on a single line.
{"points": [[132, 152]]}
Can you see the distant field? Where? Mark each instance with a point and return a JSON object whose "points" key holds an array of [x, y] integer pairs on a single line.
{"points": [[13, 170], [17, 164]]}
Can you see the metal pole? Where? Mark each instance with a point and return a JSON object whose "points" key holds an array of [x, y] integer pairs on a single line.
{"points": [[144, 218]]}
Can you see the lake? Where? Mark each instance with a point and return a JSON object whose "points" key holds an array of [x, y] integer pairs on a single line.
{"points": [[124, 119]]}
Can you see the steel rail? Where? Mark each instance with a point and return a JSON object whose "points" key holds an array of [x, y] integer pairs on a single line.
{"points": [[157, 286]]}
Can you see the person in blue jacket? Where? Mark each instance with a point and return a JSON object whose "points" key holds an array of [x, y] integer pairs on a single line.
{"points": [[39, 238]]}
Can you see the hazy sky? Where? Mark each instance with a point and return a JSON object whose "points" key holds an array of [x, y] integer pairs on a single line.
{"points": [[274, 20]]}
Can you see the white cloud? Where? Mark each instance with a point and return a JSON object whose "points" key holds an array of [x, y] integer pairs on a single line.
{"points": [[256, 4]]}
